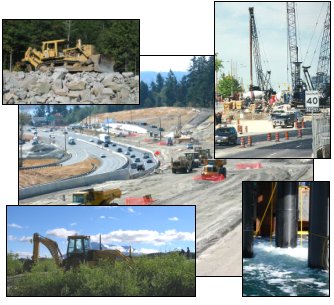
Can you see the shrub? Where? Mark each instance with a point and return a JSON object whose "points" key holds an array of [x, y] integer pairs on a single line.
{"points": [[14, 265], [166, 275]]}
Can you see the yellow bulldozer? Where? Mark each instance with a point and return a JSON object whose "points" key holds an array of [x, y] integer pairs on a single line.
{"points": [[79, 250], [214, 167], [55, 53], [94, 197]]}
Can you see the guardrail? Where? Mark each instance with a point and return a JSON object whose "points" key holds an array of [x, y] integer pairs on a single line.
{"points": [[67, 157]]}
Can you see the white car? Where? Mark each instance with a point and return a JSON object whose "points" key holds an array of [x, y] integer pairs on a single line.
{"points": [[102, 156]]}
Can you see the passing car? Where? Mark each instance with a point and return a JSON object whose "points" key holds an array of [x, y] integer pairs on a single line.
{"points": [[133, 165], [283, 120], [140, 167], [113, 144], [127, 153], [189, 146], [133, 156], [102, 156], [91, 140], [106, 145], [146, 155], [226, 135], [137, 160], [119, 149], [149, 161], [129, 148]]}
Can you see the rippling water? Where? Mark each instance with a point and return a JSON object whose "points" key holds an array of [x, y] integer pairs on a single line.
{"points": [[282, 272]]}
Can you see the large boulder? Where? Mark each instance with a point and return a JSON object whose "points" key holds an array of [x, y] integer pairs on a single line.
{"points": [[108, 91], [42, 87], [59, 73], [76, 85], [62, 99], [127, 74]]}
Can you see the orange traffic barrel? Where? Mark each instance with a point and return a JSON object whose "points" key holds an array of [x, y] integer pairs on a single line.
{"points": [[268, 136], [238, 121], [249, 141], [296, 124], [277, 137], [286, 135], [242, 142]]}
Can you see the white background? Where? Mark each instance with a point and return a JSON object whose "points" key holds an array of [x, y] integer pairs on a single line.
{"points": [[173, 27]]}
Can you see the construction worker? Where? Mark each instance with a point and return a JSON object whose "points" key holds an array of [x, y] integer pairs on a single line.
{"points": [[188, 253]]}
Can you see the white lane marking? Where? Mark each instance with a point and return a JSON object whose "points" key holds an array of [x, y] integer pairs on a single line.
{"points": [[273, 154]]}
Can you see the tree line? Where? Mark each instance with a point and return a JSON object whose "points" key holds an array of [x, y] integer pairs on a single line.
{"points": [[196, 89], [118, 39]]}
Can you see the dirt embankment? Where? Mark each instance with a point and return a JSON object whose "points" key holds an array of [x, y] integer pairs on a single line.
{"points": [[170, 116], [37, 162], [45, 175]]}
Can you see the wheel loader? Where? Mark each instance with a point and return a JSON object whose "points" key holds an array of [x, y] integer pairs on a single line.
{"points": [[214, 167], [93, 197], [78, 251], [55, 53]]}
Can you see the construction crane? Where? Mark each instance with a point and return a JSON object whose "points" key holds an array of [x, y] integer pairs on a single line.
{"points": [[298, 99], [323, 71], [262, 80]]}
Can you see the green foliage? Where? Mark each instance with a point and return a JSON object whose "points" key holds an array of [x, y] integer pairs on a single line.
{"points": [[196, 89], [116, 38], [218, 63], [167, 275], [45, 265], [14, 265], [227, 86]]}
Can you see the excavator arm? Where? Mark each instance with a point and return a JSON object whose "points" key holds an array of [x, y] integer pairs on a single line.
{"points": [[48, 243]]}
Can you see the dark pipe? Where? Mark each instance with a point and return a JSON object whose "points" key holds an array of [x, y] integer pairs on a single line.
{"points": [[318, 255], [248, 217], [287, 215]]}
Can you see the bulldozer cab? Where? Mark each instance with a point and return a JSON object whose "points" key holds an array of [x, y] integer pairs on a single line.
{"points": [[78, 245], [53, 48]]}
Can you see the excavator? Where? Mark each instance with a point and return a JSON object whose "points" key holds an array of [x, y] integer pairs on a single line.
{"points": [[78, 251], [54, 53], [93, 197]]}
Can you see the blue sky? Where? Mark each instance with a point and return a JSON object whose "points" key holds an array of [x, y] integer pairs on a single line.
{"points": [[165, 63], [232, 36], [148, 229]]}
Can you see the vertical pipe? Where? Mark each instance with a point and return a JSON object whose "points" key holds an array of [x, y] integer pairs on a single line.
{"points": [[318, 254], [251, 50], [248, 217], [286, 215]]}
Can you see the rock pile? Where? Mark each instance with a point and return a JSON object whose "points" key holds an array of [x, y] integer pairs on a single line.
{"points": [[61, 87]]}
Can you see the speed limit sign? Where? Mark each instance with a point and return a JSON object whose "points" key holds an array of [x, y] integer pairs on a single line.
{"points": [[312, 101]]}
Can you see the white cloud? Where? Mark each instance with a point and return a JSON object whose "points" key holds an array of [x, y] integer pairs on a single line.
{"points": [[144, 236], [145, 251], [23, 238], [131, 210], [173, 218], [14, 225], [61, 232], [23, 254], [73, 224], [102, 217]]}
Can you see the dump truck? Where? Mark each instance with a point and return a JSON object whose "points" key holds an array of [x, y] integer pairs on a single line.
{"points": [[55, 53], [181, 164], [214, 167], [79, 250], [94, 197]]}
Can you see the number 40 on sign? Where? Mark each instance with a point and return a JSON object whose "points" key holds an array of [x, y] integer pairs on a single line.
{"points": [[312, 101]]}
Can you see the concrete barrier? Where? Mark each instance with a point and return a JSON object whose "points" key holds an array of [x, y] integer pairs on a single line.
{"points": [[42, 189]]}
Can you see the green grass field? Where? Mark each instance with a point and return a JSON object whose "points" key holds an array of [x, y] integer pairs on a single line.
{"points": [[166, 275]]}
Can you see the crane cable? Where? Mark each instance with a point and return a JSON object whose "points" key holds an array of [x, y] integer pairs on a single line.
{"points": [[265, 212], [316, 24]]}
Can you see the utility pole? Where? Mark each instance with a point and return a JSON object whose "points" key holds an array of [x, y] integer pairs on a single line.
{"points": [[160, 127], [108, 125], [65, 133]]}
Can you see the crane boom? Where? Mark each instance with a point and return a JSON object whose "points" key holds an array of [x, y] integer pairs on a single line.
{"points": [[324, 55]]}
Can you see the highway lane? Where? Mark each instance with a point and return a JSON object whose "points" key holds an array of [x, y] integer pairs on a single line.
{"points": [[293, 148]]}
